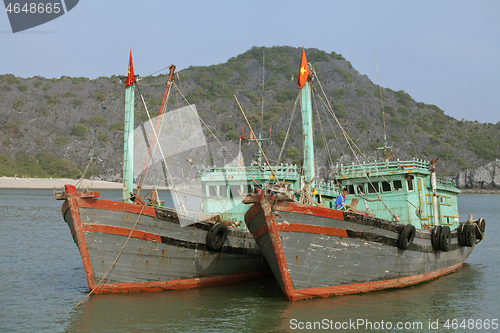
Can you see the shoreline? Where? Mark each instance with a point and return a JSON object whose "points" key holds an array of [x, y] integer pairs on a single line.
{"points": [[479, 191], [49, 183]]}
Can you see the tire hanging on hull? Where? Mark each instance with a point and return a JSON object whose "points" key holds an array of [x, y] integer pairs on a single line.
{"points": [[435, 238], [216, 236], [470, 235], [406, 237], [445, 239]]}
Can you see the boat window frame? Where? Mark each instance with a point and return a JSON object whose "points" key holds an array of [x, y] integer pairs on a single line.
{"points": [[226, 187], [373, 187], [446, 202], [408, 187], [362, 185], [388, 182], [237, 187], [400, 184], [350, 189], [212, 191]]}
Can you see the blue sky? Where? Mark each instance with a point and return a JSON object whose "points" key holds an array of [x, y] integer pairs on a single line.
{"points": [[440, 52]]}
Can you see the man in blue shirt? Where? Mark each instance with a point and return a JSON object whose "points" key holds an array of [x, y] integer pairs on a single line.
{"points": [[340, 202]]}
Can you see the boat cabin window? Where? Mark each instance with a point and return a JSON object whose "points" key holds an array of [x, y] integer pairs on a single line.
{"points": [[373, 187], [212, 191], [386, 186], [445, 200], [248, 188], [398, 185], [223, 191], [235, 191], [409, 183], [350, 189], [360, 188]]}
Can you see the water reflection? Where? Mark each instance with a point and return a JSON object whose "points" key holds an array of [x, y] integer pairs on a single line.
{"points": [[41, 278], [259, 306], [233, 308]]}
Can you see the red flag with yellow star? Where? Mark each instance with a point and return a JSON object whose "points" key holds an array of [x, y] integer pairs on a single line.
{"points": [[131, 77], [304, 71]]}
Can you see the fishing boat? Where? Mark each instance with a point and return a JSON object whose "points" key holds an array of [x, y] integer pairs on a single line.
{"points": [[318, 244], [139, 244]]}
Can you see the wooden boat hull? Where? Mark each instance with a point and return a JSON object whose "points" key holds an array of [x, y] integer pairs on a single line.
{"points": [[319, 252], [160, 254]]}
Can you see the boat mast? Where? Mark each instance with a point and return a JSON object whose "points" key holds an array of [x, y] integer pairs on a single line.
{"points": [[128, 135], [303, 80], [307, 130]]}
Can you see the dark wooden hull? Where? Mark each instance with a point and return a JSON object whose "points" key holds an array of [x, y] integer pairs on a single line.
{"points": [[315, 251], [160, 254]]}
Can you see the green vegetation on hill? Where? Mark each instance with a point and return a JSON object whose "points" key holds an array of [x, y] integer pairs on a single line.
{"points": [[43, 166], [65, 118]]}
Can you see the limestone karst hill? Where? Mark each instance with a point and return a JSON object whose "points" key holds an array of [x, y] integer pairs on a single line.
{"points": [[54, 127]]}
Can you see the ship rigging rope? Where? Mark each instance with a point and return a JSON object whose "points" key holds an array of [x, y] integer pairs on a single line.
{"points": [[323, 137], [183, 134], [262, 94], [213, 135], [184, 141], [288, 130], [92, 158], [258, 144], [116, 259], [206, 126], [381, 97], [141, 78], [181, 203], [349, 141], [331, 127], [155, 135]]}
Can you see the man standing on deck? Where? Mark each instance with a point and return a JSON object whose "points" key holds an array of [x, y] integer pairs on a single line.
{"points": [[340, 202]]}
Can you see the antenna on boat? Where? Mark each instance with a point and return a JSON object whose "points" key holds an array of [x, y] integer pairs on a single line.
{"points": [[258, 143], [263, 81], [387, 155], [253, 136]]}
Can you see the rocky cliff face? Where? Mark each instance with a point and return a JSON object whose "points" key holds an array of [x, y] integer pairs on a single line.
{"points": [[483, 178]]}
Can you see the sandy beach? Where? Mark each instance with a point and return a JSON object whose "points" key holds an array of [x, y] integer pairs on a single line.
{"points": [[11, 182]]}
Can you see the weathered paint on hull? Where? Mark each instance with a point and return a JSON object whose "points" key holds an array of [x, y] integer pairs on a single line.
{"points": [[160, 254], [319, 252]]}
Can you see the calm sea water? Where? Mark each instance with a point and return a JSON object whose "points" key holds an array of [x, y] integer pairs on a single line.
{"points": [[42, 279]]}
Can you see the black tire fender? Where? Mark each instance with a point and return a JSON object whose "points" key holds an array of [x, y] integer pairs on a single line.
{"points": [[216, 236], [406, 237], [470, 235], [445, 239], [461, 232], [436, 231]]}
